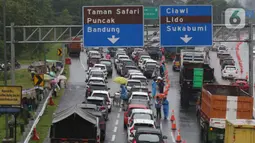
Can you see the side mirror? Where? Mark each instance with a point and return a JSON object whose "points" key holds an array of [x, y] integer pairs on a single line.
{"points": [[155, 116], [86, 80], [164, 137], [108, 88]]}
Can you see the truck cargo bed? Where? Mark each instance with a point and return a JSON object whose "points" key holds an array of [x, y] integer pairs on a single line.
{"points": [[226, 101]]}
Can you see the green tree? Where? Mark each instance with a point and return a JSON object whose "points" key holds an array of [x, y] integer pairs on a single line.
{"points": [[65, 18]]}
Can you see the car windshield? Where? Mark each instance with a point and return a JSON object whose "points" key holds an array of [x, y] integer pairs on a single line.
{"points": [[141, 79], [98, 87], [142, 116], [230, 68], [222, 48], [106, 62], [130, 68], [94, 59], [133, 83], [95, 81], [94, 54], [100, 67], [151, 66], [97, 75], [139, 89], [139, 125], [128, 62], [123, 57], [142, 97], [147, 137], [96, 102]]}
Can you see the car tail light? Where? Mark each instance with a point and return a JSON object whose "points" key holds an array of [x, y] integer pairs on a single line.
{"points": [[224, 71], [132, 129], [102, 108], [63, 139], [98, 139], [236, 72], [134, 141], [130, 120], [89, 90]]}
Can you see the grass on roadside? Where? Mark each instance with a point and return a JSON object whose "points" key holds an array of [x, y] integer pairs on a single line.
{"points": [[45, 122], [51, 55]]}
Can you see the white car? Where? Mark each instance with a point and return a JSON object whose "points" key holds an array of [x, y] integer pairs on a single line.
{"points": [[229, 71], [96, 80], [121, 57], [140, 62], [96, 73], [131, 83], [147, 61], [136, 123], [141, 114], [130, 75], [102, 67], [93, 53], [139, 95], [142, 78], [104, 94]]}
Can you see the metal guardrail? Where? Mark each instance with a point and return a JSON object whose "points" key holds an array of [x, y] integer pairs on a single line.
{"points": [[27, 137]]}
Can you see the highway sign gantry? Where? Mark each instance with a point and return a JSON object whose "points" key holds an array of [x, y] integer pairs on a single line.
{"points": [[186, 26], [150, 13], [113, 26], [59, 52], [39, 80]]}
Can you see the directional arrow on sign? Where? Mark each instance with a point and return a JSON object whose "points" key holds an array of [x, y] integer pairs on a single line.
{"points": [[186, 38], [60, 52], [113, 39], [39, 80]]}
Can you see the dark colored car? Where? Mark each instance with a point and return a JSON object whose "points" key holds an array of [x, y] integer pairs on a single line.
{"points": [[93, 109], [151, 135], [176, 62], [93, 60], [108, 64], [101, 105], [95, 86], [112, 51], [125, 69], [149, 70], [123, 62]]}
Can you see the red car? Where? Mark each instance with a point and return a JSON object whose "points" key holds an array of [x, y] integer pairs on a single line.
{"points": [[242, 83], [129, 111]]}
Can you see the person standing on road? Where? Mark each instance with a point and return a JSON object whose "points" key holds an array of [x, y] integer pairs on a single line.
{"points": [[123, 94], [161, 85], [158, 105], [154, 88], [108, 56], [161, 70], [165, 107]]}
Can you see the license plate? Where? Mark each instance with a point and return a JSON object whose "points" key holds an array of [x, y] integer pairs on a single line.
{"points": [[230, 75], [177, 64]]}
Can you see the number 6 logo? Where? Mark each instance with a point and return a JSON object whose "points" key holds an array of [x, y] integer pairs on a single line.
{"points": [[235, 18]]}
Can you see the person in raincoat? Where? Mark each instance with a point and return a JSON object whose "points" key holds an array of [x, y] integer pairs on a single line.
{"points": [[165, 107], [162, 70], [123, 94], [158, 105], [154, 88], [108, 56], [161, 85]]}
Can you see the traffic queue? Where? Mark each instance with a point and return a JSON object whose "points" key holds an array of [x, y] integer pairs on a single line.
{"points": [[134, 96]]}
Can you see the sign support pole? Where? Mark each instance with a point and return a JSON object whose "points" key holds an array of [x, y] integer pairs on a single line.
{"points": [[5, 63], [12, 54], [251, 59], [147, 33]]}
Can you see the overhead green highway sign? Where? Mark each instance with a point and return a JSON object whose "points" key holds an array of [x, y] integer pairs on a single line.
{"points": [[150, 13]]}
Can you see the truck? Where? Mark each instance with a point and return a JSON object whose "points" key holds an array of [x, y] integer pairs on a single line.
{"points": [[240, 131], [75, 125], [194, 72], [74, 48], [218, 103]]}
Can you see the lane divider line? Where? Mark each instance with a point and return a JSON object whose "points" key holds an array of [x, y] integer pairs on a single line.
{"points": [[117, 122], [118, 115], [115, 129], [113, 138], [120, 110], [172, 136]]}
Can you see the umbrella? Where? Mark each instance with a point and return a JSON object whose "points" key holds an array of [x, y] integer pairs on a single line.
{"points": [[48, 77], [120, 80], [62, 77], [52, 73]]}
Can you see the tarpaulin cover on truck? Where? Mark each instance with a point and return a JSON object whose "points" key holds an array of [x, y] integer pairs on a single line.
{"points": [[75, 123]]}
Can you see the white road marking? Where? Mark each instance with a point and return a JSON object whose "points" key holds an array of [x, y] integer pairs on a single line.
{"points": [[117, 122], [82, 64], [113, 138], [172, 136], [115, 129], [120, 110], [118, 116]]}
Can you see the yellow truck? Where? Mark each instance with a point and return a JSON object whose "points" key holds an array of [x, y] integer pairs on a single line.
{"points": [[240, 131]]}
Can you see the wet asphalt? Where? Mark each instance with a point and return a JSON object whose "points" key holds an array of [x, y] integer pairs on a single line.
{"points": [[185, 118]]}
